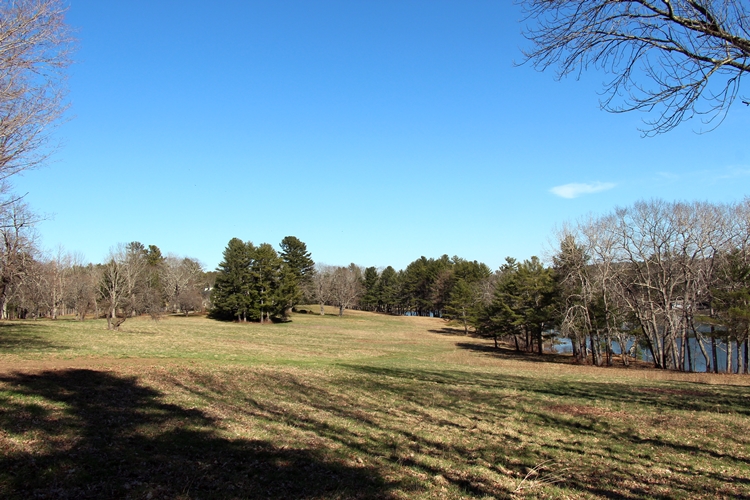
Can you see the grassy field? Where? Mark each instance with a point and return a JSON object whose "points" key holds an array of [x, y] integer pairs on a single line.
{"points": [[364, 406]]}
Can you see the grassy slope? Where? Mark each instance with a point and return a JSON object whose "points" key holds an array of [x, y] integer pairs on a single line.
{"points": [[361, 406]]}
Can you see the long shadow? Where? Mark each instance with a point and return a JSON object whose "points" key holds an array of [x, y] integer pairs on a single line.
{"points": [[688, 396], [22, 336], [615, 429], [99, 435], [458, 332], [504, 352]]}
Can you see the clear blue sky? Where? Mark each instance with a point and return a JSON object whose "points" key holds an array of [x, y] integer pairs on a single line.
{"points": [[375, 131]]}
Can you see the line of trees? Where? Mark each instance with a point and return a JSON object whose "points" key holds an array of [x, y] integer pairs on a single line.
{"points": [[658, 277], [137, 280], [133, 280], [665, 278], [659, 273]]}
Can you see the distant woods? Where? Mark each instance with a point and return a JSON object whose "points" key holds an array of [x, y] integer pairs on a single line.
{"points": [[133, 280], [667, 282]]}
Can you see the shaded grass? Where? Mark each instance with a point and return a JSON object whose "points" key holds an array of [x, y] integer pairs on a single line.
{"points": [[364, 406]]}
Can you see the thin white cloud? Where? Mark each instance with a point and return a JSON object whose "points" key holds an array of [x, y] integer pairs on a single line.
{"points": [[574, 190], [735, 172], [668, 175]]}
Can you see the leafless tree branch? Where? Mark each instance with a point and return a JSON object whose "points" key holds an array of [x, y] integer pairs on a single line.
{"points": [[35, 47], [679, 58]]}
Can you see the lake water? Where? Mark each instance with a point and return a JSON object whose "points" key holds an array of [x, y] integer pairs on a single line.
{"points": [[699, 363]]}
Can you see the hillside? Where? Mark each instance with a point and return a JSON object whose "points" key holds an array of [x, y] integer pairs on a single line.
{"points": [[364, 406]]}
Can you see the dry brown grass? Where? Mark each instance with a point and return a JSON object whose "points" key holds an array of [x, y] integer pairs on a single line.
{"points": [[365, 406]]}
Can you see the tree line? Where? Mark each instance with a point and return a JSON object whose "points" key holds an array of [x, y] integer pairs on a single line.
{"points": [[134, 279], [657, 277]]}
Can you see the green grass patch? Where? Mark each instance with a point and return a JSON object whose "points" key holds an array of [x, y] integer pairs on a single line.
{"points": [[364, 406]]}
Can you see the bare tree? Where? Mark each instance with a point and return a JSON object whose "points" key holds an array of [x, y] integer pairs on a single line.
{"points": [[121, 283], [346, 286], [323, 285], [181, 280], [81, 288], [35, 45], [58, 269], [681, 57], [654, 270], [17, 247]]}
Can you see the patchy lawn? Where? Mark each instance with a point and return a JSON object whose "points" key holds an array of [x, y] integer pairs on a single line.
{"points": [[365, 406]]}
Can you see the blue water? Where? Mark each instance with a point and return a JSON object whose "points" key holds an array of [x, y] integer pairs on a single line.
{"points": [[699, 363]]}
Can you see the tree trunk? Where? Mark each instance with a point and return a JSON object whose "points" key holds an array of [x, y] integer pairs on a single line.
{"points": [[540, 342], [729, 355], [683, 349], [651, 350], [595, 352], [713, 351], [702, 347]]}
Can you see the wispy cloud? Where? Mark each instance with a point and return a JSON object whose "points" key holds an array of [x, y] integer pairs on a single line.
{"points": [[574, 190], [734, 172], [668, 175]]}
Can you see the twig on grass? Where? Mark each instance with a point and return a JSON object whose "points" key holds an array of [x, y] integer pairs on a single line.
{"points": [[540, 475]]}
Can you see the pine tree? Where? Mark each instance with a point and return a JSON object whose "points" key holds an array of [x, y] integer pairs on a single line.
{"points": [[388, 290], [463, 303], [297, 273], [232, 295], [265, 277], [369, 300], [523, 301]]}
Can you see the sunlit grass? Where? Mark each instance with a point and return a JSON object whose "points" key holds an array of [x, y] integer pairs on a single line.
{"points": [[366, 406]]}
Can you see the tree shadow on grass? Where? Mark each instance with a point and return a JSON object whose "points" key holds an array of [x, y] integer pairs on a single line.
{"points": [[90, 434], [509, 353], [687, 396], [22, 336], [582, 408], [447, 330]]}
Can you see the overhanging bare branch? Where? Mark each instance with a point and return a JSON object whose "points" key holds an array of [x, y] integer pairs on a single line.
{"points": [[678, 58]]}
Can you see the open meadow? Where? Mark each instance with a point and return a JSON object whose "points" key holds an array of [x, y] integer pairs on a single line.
{"points": [[364, 406]]}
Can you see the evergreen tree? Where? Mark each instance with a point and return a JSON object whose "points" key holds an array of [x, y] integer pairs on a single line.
{"points": [[298, 271], [232, 295], [463, 303], [730, 305], [523, 303], [266, 283], [369, 300], [387, 291]]}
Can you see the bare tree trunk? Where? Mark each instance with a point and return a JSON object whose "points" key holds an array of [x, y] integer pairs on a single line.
{"points": [[683, 349], [729, 354], [594, 351], [699, 339]]}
